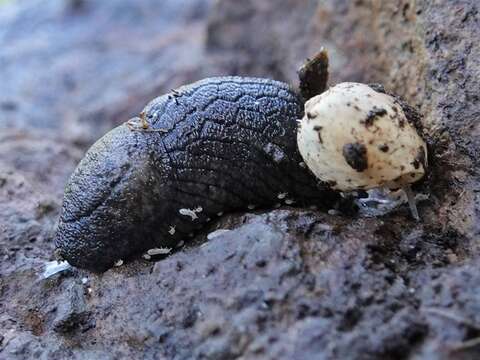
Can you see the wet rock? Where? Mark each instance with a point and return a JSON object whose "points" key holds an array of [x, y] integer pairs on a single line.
{"points": [[104, 61], [262, 38], [45, 161], [272, 38], [27, 219], [72, 312], [281, 284], [319, 288]]}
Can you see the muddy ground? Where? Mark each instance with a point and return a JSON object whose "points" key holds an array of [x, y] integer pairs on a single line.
{"points": [[282, 284]]}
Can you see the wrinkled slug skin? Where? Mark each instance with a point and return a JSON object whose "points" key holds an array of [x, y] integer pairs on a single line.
{"points": [[230, 142]]}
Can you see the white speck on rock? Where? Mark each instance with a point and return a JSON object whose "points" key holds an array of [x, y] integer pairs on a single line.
{"points": [[282, 195], [158, 251], [220, 213], [54, 267], [118, 263], [171, 231], [217, 233], [191, 212], [84, 280], [146, 256]]}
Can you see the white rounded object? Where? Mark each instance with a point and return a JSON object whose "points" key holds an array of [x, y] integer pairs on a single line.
{"points": [[353, 137]]}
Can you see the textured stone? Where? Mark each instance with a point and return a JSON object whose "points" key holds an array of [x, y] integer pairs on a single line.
{"points": [[87, 65]]}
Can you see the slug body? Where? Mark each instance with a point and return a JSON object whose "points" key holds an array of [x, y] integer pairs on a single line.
{"points": [[218, 145]]}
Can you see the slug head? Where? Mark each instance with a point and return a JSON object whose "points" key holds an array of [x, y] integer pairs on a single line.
{"points": [[105, 207]]}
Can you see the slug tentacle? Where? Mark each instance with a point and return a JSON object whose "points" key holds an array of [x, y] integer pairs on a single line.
{"points": [[218, 145]]}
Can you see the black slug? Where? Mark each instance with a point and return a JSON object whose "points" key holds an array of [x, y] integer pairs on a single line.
{"points": [[230, 143], [215, 146]]}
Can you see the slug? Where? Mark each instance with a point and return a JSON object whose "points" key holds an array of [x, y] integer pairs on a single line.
{"points": [[218, 145]]}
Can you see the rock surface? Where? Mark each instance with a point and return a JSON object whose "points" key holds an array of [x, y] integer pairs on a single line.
{"points": [[86, 66], [285, 284]]}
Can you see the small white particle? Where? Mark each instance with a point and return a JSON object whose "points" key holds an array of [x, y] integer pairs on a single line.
{"points": [[84, 280], [158, 251], [251, 207], [282, 195], [146, 256], [199, 209], [118, 263], [217, 233], [171, 231], [302, 164], [208, 219], [220, 213], [53, 267], [411, 290], [89, 290], [189, 212], [332, 212], [289, 201]]}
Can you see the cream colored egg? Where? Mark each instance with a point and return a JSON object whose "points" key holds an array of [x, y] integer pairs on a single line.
{"points": [[353, 137]]}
